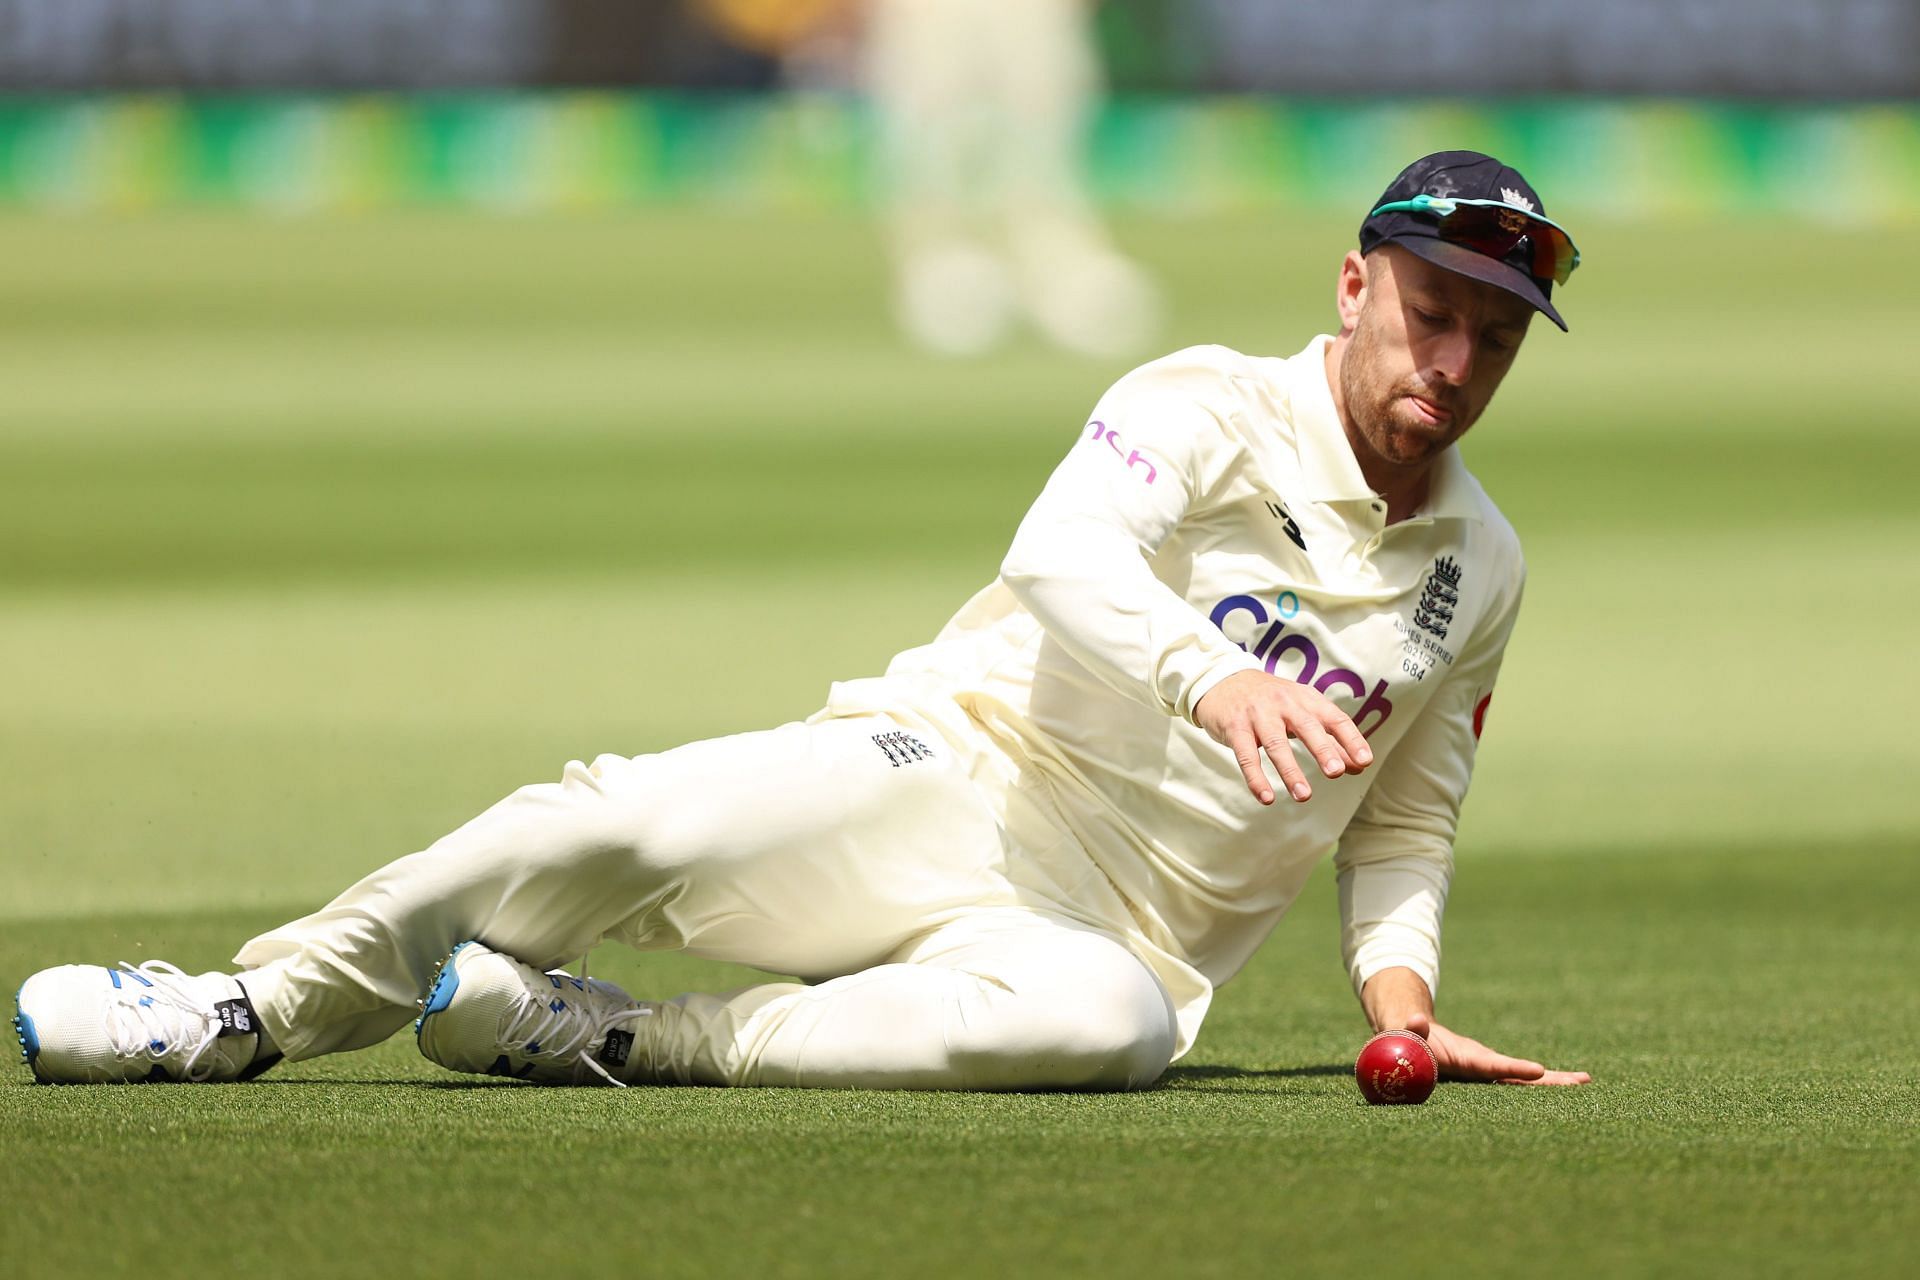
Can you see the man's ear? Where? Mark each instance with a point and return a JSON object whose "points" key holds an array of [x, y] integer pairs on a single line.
{"points": [[1350, 295]]}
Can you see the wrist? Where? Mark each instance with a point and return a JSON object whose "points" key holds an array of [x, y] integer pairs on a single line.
{"points": [[1394, 998]]}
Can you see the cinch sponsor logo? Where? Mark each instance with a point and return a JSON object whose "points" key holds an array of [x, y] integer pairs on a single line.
{"points": [[1277, 641]]}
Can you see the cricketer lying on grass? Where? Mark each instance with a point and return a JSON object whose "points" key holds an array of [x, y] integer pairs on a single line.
{"points": [[1027, 854]]}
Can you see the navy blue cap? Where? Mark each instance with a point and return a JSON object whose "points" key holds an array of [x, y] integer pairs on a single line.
{"points": [[1463, 175]]}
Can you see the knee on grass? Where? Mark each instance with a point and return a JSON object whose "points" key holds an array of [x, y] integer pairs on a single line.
{"points": [[1114, 1039]]}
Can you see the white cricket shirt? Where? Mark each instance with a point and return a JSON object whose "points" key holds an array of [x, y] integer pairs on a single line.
{"points": [[1212, 519]]}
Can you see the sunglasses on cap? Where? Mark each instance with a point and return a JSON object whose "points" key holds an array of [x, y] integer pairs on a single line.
{"points": [[1494, 228]]}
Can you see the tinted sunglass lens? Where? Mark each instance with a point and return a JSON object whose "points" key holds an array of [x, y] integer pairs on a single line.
{"points": [[1495, 231], [1477, 229], [1552, 254]]}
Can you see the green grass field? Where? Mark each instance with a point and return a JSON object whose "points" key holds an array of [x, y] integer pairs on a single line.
{"points": [[317, 537]]}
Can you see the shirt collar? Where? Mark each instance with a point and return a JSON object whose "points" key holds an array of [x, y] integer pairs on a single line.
{"points": [[1328, 466]]}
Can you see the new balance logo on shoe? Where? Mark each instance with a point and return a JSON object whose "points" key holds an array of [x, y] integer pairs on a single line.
{"points": [[614, 1052], [236, 1017]]}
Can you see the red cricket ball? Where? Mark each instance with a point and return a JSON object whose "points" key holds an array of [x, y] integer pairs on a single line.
{"points": [[1395, 1068]]}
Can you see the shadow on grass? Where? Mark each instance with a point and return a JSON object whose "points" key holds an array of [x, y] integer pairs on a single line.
{"points": [[1250, 1073], [1205, 1079], [387, 1082], [1199, 1078], [1179, 1077]]}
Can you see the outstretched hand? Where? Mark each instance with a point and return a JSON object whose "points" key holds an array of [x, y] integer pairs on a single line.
{"points": [[1464, 1058], [1398, 998], [1251, 712]]}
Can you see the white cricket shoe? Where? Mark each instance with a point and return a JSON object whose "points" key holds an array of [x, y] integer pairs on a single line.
{"points": [[488, 1014], [82, 1024]]}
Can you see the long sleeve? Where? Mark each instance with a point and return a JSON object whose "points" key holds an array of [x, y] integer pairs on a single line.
{"points": [[1080, 559], [1395, 858]]}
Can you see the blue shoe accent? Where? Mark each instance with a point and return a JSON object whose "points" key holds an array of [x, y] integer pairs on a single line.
{"points": [[29, 1038], [157, 1046], [137, 976], [115, 975], [445, 983]]}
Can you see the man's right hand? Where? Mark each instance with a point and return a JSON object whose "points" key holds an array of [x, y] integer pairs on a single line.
{"points": [[1251, 711]]}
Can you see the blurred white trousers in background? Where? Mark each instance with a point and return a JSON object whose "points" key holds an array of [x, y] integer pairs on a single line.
{"points": [[983, 108]]}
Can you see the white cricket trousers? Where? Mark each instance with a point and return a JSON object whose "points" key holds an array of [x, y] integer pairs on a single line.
{"points": [[861, 853]]}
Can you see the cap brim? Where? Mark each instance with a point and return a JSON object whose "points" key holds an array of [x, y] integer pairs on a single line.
{"points": [[1458, 258]]}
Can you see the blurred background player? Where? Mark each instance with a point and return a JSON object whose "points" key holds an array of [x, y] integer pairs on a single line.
{"points": [[982, 109]]}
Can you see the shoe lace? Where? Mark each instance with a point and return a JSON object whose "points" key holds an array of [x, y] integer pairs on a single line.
{"points": [[566, 1028], [157, 1018]]}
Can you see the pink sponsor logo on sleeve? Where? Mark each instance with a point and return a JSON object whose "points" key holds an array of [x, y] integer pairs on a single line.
{"points": [[1101, 431]]}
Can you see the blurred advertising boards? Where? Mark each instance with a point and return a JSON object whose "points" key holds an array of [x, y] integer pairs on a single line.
{"points": [[568, 150]]}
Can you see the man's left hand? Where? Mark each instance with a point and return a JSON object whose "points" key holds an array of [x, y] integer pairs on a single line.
{"points": [[1398, 999], [1464, 1058]]}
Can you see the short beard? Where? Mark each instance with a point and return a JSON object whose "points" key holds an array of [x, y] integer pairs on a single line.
{"points": [[1369, 401]]}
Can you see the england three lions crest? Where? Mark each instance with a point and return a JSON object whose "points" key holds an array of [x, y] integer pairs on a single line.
{"points": [[1439, 598]]}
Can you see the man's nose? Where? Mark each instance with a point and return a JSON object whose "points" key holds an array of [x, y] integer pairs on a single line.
{"points": [[1453, 356]]}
